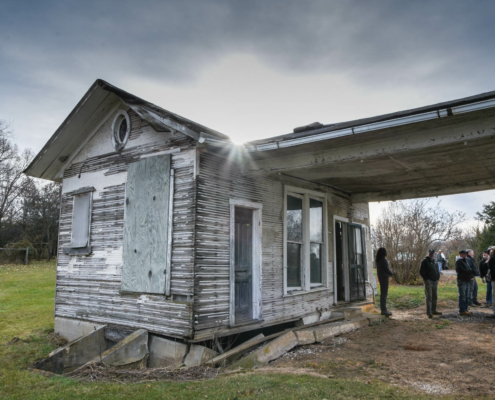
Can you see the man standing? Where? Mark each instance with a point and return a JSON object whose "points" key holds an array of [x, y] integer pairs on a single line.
{"points": [[486, 277], [440, 260], [430, 274], [464, 276], [491, 267], [473, 285]]}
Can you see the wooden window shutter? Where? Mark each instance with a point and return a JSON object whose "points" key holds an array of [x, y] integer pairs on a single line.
{"points": [[81, 218], [148, 226]]}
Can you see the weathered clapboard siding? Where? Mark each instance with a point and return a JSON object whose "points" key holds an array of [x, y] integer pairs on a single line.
{"points": [[88, 287], [220, 180]]}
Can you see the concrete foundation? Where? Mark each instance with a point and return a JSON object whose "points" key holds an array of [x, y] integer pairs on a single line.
{"points": [[72, 329], [316, 317], [165, 353]]}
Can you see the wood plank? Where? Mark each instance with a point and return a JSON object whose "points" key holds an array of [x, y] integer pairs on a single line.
{"points": [[249, 344]]}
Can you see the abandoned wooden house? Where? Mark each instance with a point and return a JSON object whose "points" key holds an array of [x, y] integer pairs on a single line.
{"points": [[167, 226]]}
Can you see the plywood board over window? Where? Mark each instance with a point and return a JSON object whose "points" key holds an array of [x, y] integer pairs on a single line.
{"points": [[148, 226]]}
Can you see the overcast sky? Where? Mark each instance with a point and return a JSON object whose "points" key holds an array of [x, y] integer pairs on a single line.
{"points": [[250, 69]]}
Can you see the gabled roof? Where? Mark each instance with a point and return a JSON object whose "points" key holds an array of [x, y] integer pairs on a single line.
{"points": [[95, 104]]}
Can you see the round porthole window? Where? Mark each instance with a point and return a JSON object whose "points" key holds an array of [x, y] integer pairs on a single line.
{"points": [[121, 129]]}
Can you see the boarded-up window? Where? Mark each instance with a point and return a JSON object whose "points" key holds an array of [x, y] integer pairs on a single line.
{"points": [[81, 217], [148, 226]]}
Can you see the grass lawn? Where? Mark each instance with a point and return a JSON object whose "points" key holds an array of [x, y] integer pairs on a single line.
{"points": [[26, 312], [405, 297]]}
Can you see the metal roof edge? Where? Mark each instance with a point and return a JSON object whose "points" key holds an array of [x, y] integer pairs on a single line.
{"points": [[373, 123]]}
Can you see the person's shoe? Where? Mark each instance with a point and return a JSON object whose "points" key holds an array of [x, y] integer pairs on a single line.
{"points": [[386, 313], [465, 313], [490, 316], [436, 313], [430, 316], [477, 303], [474, 304]]}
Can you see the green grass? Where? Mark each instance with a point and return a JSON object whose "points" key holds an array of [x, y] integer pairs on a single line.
{"points": [[401, 297], [26, 312]]}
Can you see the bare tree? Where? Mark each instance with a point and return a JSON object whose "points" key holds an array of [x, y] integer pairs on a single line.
{"points": [[407, 229], [40, 216], [12, 180]]}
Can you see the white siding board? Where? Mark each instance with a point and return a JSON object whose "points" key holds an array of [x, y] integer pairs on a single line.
{"points": [[89, 287]]}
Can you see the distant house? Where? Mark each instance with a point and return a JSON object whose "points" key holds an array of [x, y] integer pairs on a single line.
{"points": [[166, 225]]}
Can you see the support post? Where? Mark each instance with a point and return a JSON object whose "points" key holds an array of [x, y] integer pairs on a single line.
{"points": [[27, 255]]}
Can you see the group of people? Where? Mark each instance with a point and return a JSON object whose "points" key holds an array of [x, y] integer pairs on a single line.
{"points": [[430, 271]]}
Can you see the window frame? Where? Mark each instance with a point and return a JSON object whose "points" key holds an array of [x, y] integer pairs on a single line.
{"points": [[306, 285], [119, 117], [71, 249]]}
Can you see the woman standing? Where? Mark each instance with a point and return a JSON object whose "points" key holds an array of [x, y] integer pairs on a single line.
{"points": [[486, 276], [384, 273]]}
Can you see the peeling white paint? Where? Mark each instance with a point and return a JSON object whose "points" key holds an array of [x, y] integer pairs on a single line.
{"points": [[96, 179]]}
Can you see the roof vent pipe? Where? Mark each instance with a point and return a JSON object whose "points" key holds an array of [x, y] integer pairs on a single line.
{"points": [[314, 125]]}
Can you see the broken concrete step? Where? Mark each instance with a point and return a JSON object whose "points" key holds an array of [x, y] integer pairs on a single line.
{"points": [[166, 353], [348, 313], [76, 353], [337, 328], [131, 352], [269, 352], [305, 337], [199, 355]]}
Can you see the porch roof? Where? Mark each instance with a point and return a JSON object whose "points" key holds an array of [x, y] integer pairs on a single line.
{"points": [[446, 148]]}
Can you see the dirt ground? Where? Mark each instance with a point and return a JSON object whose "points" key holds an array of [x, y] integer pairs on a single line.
{"points": [[446, 355]]}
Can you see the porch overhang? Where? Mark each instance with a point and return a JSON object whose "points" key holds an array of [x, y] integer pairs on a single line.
{"points": [[436, 150]]}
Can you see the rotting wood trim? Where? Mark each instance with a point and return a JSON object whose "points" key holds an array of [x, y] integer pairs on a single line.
{"points": [[168, 267], [82, 251], [248, 344], [81, 191]]}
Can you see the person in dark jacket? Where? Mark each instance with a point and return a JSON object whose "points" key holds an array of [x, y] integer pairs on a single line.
{"points": [[491, 268], [431, 275], [464, 276], [486, 277], [384, 273], [473, 285]]}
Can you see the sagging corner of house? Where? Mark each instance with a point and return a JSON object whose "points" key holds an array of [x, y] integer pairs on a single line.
{"points": [[124, 349]]}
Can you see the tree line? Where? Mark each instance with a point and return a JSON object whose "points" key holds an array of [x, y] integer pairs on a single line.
{"points": [[408, 229], [29, 208]]}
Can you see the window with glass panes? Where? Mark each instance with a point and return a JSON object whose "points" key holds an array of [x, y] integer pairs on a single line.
{"points": [[305, 241]]}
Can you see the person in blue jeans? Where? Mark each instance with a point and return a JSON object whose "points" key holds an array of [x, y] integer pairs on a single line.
{"points": [[486, 276], [464, 276]]}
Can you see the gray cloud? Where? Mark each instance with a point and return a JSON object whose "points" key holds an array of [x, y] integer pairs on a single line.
{"points": [[51, 51], [171, 40]]}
